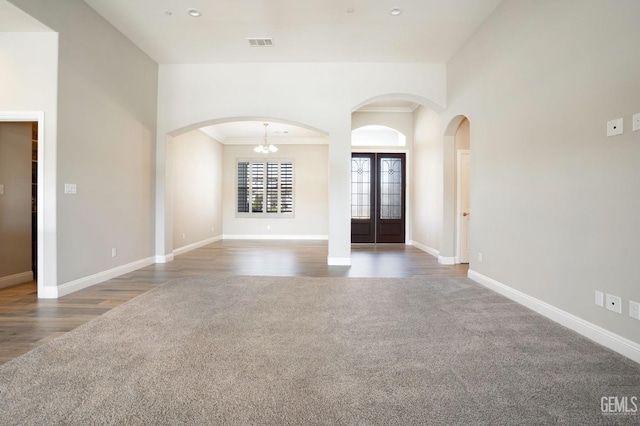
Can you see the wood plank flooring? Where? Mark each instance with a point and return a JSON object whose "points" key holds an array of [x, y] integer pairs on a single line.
{"points": [[27, 322]]}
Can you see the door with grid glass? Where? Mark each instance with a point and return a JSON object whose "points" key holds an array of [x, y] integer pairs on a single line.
{"points": [[378, 198]]}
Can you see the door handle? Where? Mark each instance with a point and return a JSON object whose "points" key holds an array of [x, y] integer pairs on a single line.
{"points": [[465, 214]]}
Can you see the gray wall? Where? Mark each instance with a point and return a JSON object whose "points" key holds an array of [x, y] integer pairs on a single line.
{"points": [[15, 203], [554, 200], [107, 91]]}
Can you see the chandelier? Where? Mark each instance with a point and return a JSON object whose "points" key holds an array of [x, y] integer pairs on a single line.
{"points": [[265, 147]]}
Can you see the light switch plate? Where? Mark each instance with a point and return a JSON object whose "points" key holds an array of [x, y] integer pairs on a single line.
{"points": [[634, 309], [614, 127], [70, 188], [636, 122], [1, 189], [599, 298]]}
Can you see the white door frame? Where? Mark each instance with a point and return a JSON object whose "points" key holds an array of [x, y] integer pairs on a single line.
{"points": [[46, 205], [459, 154]]}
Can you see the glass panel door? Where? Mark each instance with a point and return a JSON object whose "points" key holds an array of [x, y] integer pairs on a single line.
{"points": [[362, 198], [390, 226], [378, 198]]}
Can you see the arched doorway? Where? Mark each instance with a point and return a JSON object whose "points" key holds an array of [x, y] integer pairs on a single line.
{"points": [[203, 156], [386, 126], [457, 184], [378, 184]]}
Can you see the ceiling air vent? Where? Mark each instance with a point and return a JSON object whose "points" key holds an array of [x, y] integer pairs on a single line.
{"points": [[260, 42]]}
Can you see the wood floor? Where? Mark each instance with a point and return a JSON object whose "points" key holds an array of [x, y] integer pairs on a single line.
{"points": [[27, 322]]}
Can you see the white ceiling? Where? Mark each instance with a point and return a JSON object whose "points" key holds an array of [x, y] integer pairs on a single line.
{"points": [[302, 30]]}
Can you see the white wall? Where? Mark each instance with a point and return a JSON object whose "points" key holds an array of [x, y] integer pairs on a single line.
{"points": [[427, 180], [106, 120], [197, 185], [311, 190], [553, 198], [318, 95], [15, 201]]}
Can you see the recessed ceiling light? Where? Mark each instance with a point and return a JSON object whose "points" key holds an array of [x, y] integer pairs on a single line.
{"points": [[395, 11], [194, 12]]}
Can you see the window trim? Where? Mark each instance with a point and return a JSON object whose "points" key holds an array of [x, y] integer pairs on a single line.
{"points": [[265, 214]]}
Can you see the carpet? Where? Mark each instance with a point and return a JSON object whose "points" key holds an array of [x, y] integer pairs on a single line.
{"points": [[306, 351]]}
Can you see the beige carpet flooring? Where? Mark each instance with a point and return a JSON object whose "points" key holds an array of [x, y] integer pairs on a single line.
{"points": [[306, 351]]}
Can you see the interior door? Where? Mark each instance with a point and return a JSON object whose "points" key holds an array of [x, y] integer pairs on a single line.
{"points": [[390, 203], [378, 198], [464, 206], [363, 172]]}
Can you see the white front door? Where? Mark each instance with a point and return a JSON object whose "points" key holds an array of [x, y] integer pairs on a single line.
{"points": [[464, 206]]}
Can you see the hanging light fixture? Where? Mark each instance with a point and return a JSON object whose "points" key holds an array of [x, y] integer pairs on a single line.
{"points": [[265, 147]]}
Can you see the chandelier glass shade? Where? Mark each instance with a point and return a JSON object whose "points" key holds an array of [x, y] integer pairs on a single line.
{"points": [[265, 147]]}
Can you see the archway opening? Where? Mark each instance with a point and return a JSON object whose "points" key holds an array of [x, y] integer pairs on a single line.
{"points": [[384, 132], [212, 167], [457, 191]]}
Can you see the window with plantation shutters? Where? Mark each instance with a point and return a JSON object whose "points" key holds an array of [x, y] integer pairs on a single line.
{"points": [[265, 188]]}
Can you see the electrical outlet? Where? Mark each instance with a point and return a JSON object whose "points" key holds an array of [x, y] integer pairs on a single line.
{"points": [[614, 127], [634, 310], [184, 235], [599, 298], [480, 257], [114, 252], [614, 303]]}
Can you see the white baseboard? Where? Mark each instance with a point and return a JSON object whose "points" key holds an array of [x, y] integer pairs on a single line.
{"points": [[339, 261], [426, 249], [22, 277], [273, 237], [193, 246], [163, 258], [446, 260], [591, 331], [79, 284]]}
